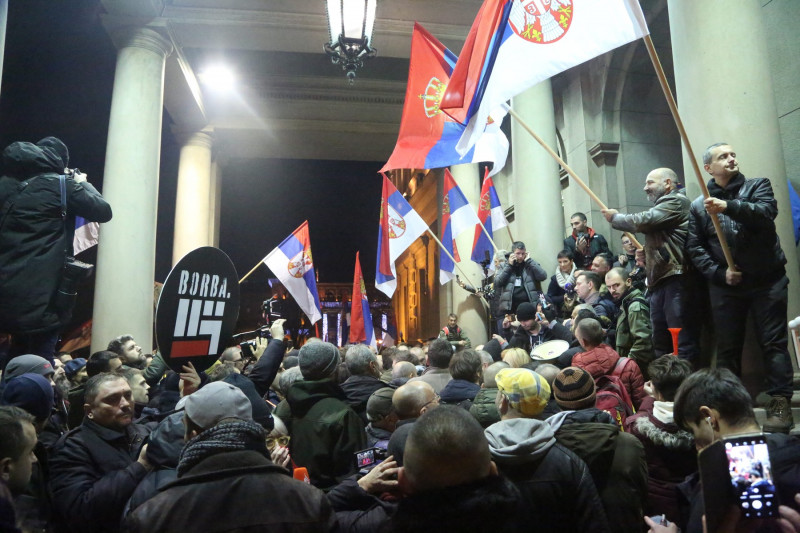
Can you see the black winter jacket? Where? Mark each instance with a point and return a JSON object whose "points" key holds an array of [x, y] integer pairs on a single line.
{"points": [[532, 274], [749, 227], [93, 472], [33, 239]]}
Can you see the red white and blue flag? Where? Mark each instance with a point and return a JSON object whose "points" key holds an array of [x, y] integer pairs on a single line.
{"points": [[457, 217], [490, 213], [292, 264], [361, 329], [428, 137], [86, 235], [398, 228], [515, 44]]}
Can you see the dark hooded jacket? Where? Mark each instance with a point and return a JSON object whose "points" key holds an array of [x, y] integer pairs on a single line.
{"points": [[358, 389], [325, 431], [558, 488], [459, 392], [33, 237], [597, 245]]}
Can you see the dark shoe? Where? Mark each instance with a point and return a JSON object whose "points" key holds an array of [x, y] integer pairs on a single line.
{"points": [[779, 416]]}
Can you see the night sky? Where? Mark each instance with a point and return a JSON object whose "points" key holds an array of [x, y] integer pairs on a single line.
{"points": [[58, 79]]}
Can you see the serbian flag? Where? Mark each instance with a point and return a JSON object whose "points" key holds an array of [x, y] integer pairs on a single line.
{"points": [[398, 228], [361, 329], [292, 265], [490, 213], [515, 44], [428, 137], [457, 217], [86, 234]]}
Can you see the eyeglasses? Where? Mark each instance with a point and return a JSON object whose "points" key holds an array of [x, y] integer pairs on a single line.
{"points": [[282, 441], [436, 399]]}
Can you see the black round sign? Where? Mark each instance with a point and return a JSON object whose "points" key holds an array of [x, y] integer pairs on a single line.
{"points": [[197, 309]]}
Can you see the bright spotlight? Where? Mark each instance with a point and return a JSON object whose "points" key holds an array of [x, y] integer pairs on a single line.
{"points": [[218, 78]]}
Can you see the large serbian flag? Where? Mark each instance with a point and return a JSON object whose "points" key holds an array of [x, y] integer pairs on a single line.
{"points": [[428, 137], [490, 213], [515, 44], [361, 329], [292, 265], [398, 228], [457, 217]]}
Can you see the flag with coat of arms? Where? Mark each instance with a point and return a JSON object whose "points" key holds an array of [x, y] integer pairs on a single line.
{"points": [[428, 137], [361, 329], [457, 217], [515, 44], [292, 264], [398, 228], [490, 213]]}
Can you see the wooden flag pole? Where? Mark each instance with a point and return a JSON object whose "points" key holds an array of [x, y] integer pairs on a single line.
{"points": [[251, 271], [487, 235], [566, 167], [449, 255], [509, 233], [673, 107]]}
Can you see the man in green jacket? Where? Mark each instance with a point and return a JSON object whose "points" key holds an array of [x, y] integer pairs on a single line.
{"points": [[634, 335]]}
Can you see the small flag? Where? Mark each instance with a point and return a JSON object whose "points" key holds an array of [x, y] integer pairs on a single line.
{"points": [[457, 217], [292, 264], [86, 234], [490, 212], [398, 228], [361, 329]]}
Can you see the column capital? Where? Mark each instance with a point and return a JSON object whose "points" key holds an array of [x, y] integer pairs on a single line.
{"points": [[142, 37], [203, 138], [604, 153]]}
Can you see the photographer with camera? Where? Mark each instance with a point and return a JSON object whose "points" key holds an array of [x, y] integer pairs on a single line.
{"points": [[39, 200], [518, 281], [584, 243]]}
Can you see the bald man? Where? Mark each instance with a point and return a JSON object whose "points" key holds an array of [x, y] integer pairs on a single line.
{"points": [[665, 227], [410, 401], [449, 478]]}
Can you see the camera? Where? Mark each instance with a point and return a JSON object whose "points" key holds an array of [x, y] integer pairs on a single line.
{"points": [[582, 236], [569, 289], [367, 459], [273, 309]]}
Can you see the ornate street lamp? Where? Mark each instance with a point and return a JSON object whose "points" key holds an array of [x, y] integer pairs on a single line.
{"points": [[350, 23]]}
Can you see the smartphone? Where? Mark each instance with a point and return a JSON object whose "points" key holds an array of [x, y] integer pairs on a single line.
{"points": [[751, 476], [737, 471], [366, 459]]}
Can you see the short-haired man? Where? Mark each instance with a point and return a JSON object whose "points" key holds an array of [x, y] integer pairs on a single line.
{"points": [[627, 259], [98, 362], [518, 281], [325, 432], [140, 390], [453, 333], [449, 478], [713, 404], [526, 451], [17, 441], [584, 242], [226, 456], [665, 227], [95, 467], [128, 351], [633, 333], [669, 449], [365, 372], [382, 418], [466, 369], [437, 375], [587, 286], [410, 401], [755, 285], [232, 356], [601, 264]]}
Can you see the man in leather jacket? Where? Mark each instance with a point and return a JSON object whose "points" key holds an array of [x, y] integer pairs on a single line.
{"points": [[746, 210], [665, 226]]}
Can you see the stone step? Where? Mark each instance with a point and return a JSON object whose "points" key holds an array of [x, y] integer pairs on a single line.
{"points": [[761, 415]]}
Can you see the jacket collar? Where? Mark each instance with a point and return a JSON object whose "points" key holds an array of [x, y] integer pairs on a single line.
{"points": [[107, 434], [731, 190]]}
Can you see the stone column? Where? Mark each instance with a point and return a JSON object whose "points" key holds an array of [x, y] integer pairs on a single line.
{"points": [[215, 203], [3, 23], [193, 209], [470, 309], [725, 94], [538, 214], [123, 297]]}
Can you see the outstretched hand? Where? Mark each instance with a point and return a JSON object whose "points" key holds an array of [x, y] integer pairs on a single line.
{"points": [[382, 478]]}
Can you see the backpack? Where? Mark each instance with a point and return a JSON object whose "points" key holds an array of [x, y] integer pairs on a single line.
{"points": [[612, 396]]}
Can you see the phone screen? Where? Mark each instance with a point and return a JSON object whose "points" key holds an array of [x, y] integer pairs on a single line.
{"points": [[751, 475], [365, 458]]}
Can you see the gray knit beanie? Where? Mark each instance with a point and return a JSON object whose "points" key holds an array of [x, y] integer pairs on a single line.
{"points": [[318, 360]]}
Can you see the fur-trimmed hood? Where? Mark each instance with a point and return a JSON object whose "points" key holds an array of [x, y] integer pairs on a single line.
{"points": [[669, 436]]}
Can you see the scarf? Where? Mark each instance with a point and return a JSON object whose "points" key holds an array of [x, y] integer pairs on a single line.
{"points": [[230, 437], [662, 411], [562, 280]]}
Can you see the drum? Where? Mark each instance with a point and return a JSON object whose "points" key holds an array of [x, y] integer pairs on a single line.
{"points": [[549, 350]]}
